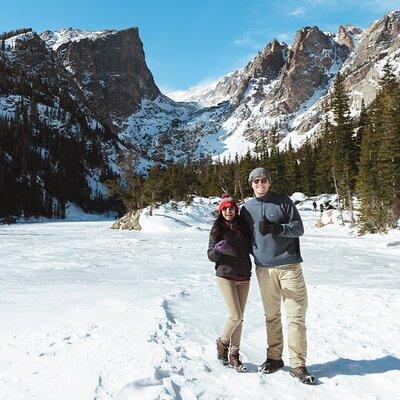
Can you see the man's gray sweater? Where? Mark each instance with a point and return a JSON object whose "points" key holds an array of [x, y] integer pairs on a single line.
{"points": [[280, 248]]}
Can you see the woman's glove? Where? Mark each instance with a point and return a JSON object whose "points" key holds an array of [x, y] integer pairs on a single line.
{"points": [[224, 247]]}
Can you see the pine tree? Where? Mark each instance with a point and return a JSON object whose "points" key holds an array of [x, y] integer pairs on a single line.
{"points": [[291, 178], [343, 156], [361, 125], [372, 213], [389, 149], [307, 169], [323, 155]]}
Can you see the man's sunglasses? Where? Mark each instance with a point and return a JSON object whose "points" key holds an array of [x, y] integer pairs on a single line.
{"points": [[262, 180]]}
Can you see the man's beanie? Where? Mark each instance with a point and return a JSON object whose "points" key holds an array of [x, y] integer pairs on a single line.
{"points": [[259, 173], [227, 201]]}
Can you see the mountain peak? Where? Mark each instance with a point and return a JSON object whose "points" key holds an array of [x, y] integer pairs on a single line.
{"points": [[349, 35], [54, 39]]}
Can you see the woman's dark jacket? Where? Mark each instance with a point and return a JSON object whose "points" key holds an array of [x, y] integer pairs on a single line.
{"points": [[233, 265]]}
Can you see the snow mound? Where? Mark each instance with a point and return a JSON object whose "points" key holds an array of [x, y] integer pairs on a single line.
{"points": [[298, 197], [178, 216]]}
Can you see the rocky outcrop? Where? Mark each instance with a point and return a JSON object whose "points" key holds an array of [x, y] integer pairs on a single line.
{"points": [[37, 67], [347, 35], [380, 42], [264, 68], [129, 221], [313, 60]]}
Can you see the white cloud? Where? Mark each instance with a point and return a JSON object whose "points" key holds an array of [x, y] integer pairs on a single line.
{"points": [[318, 2], [373, 5], [257, 40], [381, 5], [253, 39], [298, 12], [286, 37]]}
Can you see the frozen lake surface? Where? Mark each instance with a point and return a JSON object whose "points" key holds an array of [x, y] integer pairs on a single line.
{"points": [[88, 312]]}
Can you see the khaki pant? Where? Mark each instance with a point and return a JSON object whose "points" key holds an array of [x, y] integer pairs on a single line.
{"points": [[235, 295], [288, 284]]}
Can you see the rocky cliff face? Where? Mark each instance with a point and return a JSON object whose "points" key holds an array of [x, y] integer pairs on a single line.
{"points": [[57, 146], [40, 76], [362, 69], [348, 35], [265, 67], [109, 67], [314, 58], [380, 43]]}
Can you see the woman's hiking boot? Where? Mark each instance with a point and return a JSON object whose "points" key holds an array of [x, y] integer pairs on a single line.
{"points": [[222, 351], [234, 361], [270, 365], [303, 375]]}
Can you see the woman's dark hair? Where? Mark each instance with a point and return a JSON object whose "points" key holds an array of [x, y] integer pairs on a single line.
{"points": [[221, 225]]}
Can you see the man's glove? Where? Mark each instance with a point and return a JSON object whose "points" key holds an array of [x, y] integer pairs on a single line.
{"points": [[224, 247], [266, 227]]}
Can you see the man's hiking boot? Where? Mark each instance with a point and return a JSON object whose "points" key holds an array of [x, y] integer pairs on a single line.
{"points": [[270, 365], [234, 361], [222, 351], [303, 375]]}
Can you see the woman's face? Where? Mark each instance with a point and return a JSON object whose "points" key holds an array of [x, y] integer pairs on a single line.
{"points": [[229, 213]]}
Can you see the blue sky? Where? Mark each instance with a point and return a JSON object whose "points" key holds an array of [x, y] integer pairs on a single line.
{"points": [[194, 41]]}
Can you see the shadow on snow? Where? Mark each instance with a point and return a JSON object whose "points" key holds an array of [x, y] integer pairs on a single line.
{"points": [[345, 366]]}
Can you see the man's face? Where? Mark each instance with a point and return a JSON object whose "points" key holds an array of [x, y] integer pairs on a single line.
{"points": [[260, 186]]}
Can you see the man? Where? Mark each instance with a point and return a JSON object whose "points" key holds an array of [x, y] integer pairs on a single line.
{"points": [[314, 203], [276, 226]]}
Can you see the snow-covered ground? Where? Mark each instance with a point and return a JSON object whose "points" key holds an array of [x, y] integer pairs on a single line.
{"points": [[88, 312]]}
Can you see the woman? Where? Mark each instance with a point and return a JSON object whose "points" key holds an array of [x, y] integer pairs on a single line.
{"points": [[229, 247]]}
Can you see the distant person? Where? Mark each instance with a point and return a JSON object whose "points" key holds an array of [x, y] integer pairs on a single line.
{"points": [[321, 208], [314, 205], [229, 247], [276, 226]]}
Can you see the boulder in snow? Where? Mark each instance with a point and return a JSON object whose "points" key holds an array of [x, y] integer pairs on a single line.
{"points": [[129, 221]]}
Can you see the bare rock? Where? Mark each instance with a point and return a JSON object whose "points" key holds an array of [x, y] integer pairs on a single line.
{"points": [[327, 218], [129, 221], [309, 66]]}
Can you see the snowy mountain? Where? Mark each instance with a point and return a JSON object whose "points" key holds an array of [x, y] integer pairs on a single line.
{"points": [[287, 86], [106, 75]]}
